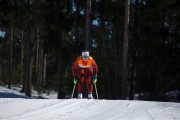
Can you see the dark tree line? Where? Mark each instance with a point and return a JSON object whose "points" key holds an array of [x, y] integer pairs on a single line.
{"points": [[40, 39]]}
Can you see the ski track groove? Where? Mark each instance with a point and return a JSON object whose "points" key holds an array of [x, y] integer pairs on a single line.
{"points": [[38, 110], [65, 108], [60, 105], [29, 110], [97, 106], [84, 109], [7, 101], [43, 109], [131, 112], [164, 109]]}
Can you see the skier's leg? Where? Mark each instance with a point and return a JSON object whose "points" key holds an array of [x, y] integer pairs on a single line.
{"points": [[89, 85], [89, 74], [81, 85], [80, 72]]}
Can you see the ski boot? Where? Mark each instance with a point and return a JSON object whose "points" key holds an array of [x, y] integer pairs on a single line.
{"points": [[79, 95], [90, 96]]}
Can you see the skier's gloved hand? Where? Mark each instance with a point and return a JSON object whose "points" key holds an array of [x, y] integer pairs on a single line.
{"points": [[95, 79], [75, 80]]}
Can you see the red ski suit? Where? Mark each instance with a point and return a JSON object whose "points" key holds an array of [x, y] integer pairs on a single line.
{"points": [[84, 70]]}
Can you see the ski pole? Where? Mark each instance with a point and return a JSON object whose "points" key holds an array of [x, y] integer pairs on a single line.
{"points": [[96, 90], [73, 90]]}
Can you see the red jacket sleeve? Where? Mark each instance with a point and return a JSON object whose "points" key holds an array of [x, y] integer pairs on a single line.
{"points": [[95, 68], [75, 65]]}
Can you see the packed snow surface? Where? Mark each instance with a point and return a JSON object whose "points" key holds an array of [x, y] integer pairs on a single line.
{"points": [[84, 109]]}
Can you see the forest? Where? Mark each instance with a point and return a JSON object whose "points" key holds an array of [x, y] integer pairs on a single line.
{"points": [[135, 43]]}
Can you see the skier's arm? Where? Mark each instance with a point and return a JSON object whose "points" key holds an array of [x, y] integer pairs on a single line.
{"points": [[95, 71], [75, 65], [95, 68]]}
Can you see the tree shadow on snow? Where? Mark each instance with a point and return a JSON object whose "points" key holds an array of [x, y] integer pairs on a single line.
{"points": [[10, 95]]}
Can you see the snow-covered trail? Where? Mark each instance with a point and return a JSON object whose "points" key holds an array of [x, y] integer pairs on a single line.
{"points": [[84, 109]]}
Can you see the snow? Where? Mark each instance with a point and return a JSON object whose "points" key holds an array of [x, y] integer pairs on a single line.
{"points": [[22, 108], [14, 93]]}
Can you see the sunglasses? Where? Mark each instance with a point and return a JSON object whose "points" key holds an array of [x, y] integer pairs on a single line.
{"points": [[85, 57]]}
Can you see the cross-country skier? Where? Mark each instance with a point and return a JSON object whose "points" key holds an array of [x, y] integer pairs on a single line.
{"points": [[85, 68]]}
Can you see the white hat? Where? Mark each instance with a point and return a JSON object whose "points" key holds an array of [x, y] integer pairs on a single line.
{"points": [[85, 53]]}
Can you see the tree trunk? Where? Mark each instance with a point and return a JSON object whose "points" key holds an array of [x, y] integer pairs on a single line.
{"points": [[60, 81], [29, 59], [116, 81], [41, 61], [77, 38], [10, 60], [22, 59], [37, 56], [125, 52], [44, 71], [0, 72], [133, 52], [28, 67], [59, 75], [88, 13], [131, 81], [116, 64], [24, 65]]}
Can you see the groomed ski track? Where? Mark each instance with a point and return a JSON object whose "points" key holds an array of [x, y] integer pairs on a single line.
{"points": [[84, 109]]}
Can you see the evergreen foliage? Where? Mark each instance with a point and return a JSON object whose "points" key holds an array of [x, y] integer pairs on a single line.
{"points": [[47, 36]]}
